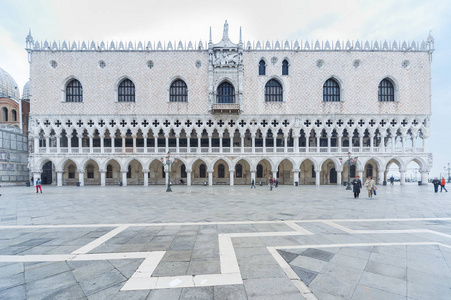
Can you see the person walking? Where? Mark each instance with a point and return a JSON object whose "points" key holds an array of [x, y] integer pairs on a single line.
{"points": [[253, 183], [370, 186], [356, 186], [271, 182], [436, 183], [38, 185], [392, 180], [442, 185]]}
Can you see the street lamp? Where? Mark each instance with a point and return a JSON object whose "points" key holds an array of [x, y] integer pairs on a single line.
{"points": [[350, 161], [168, 162], [449, 176]]}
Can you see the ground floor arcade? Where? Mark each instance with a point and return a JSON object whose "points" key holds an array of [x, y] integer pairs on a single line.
{"points": [[215, 170]]}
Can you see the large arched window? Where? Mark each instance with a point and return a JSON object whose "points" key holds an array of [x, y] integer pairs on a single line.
{"points": [[273, 91], [285, 67], [262, 67], [4, 114], [226, 93], [202, 171], [386, 91], [126, 91], [331, 90], [109, 171], [90, 171], [13, 115], [239, 171], [221, 171], [178, 91], [259, 171], [71, 171], [74, 91]]}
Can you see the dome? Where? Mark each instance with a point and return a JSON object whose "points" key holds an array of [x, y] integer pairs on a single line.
{"points": [[26, 95], [8, 86]]}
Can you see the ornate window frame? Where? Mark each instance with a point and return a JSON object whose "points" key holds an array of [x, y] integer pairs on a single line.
{"points": [[171, 82], [63, 89], [281, 82], [395, 84], [340, 89], [116, 89]]}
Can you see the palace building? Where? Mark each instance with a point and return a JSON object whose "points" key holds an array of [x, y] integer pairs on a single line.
{"points": [[106, 112]]}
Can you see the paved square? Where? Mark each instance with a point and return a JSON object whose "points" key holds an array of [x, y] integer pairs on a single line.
{"points": [[221, 242]]}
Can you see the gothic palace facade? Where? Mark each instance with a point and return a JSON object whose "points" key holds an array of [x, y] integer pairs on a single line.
{"points": [[104, 113]]}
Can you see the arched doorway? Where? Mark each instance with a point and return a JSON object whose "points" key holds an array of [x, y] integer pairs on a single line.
{"points": [[47, 173], [333, 175]]}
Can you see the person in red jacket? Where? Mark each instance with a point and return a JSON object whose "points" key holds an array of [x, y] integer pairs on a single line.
{"points": [[442, 185]]}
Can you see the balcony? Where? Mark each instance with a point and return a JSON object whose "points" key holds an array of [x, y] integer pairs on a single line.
{"points": [[228, 108]]}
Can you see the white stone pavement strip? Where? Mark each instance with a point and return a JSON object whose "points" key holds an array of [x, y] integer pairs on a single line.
{"points": [[100, 240]]}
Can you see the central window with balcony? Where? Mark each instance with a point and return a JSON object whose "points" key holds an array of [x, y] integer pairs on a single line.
{"points": [[226, 93]]}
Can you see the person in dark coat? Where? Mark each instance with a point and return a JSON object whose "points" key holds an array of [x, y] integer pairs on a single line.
{"points": [[356, 186], [436, 184]]}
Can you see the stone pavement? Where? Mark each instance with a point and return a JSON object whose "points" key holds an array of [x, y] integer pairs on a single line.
{"points": [[224, 242]]}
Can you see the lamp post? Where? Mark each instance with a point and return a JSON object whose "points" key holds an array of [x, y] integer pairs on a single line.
{"points": [[449, 176], [168, 162], [350, 161]]}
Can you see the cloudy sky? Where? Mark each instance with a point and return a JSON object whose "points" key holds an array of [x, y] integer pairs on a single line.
{"points": [[185, 20]]}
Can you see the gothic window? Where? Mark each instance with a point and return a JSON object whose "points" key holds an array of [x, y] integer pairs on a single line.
{"points": [[239, 171], [129, 172], [126, 91], [285, 67], [313, 172], [5, 114], [109, 171], [273, 91], [221, 171], [74, 91], [262, 67], [259, 171], [331, 91], [13, 115], [202, 171], [71, 171], [178, 91], [183, 171], [90, 170], [353, 171], [369, 170], [386, 91], [226, 93]]}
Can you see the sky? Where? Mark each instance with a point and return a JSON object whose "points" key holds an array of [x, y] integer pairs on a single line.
{"points": [[175, 20]]}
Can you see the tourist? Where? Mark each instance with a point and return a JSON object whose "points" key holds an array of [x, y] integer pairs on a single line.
{"points": [[442, 185], [392, 180], [436, 183], [253, 183], [271, 181], [38, 185], [370, 186], [356, 186]]}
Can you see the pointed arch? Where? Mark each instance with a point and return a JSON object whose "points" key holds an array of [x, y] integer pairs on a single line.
{"points": [[331, 90]]}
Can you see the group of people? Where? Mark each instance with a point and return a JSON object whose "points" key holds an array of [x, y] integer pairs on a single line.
{"points": [[370, 185], [436, 182]]}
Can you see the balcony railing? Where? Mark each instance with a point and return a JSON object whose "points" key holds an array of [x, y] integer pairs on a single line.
{"points": [[215, 150]]}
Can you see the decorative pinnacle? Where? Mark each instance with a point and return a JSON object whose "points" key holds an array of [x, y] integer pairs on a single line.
{"points": [[210, 35]]}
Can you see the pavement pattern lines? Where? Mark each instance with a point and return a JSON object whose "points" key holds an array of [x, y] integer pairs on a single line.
{"points": [[230, 274]]}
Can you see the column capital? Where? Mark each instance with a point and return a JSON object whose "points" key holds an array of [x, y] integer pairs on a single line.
{"points": [[59, 170], [80, 171], [188, 170], [296, 170], [231, 171], [146, 170]]}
